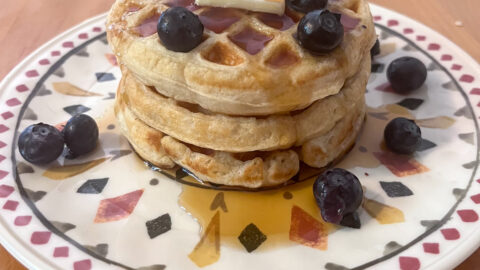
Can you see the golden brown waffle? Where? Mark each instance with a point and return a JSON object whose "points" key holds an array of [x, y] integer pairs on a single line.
{"points": [[249, 169], [192, 124], [220, 75]]}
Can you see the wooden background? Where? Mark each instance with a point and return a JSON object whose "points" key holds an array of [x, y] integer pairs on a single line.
{"points": [[27, 24]]}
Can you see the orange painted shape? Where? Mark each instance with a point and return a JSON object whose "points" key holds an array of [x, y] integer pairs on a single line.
{"points": [[307, 230], [112, 59], [400, 165], [383, 213], [117, 208], [207, 251]]}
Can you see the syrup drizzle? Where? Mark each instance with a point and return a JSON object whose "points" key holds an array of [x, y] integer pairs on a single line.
{"points": [[148, 27], [188, 4], [281, 23], [218, 19], [250, 40]]}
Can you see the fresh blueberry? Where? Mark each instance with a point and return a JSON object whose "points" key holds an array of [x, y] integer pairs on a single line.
{"points": [[320, 31], [40, 144], [406, 74], [179, 29], [81, 135], [306, 6], [402, 136], [375, 50], [338, 193]]}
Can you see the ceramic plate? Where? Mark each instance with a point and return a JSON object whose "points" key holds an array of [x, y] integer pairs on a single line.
{"points": [[108, 210]]}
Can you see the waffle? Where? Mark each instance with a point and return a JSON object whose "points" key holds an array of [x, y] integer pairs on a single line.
{"points": [[248, 169], [193, 124], [222, 74]]}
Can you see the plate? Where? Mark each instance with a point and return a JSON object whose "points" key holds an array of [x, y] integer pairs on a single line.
{"points": [[108, 210]]}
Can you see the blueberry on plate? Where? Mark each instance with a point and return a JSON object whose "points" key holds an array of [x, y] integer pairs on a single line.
{"points": [[40, 144], [320, 31], [81, 135], [179, 29], [338, 194], [306, 6], [402, 136], [406, 74]]}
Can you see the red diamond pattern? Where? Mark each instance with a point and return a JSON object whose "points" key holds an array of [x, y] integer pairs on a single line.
{"points": [[3, 128], [2, 173], [446, 57], [433, 248], [22, 220], [2, 158], [83, 36], [450, 234], [421, 38], [55, 53], [97, 29], [433, 47], [377, 18], [7, 115], [82, 265], [67, 44], [40, 238], [409, 263], [475, 91], [391, 23], [2, 144], [31, 73], [13, 102], [44, 62], [10, 205], [5, 191], [467, 78], [476, 198], [407, 30], [60, 252], [22, 88], [456, 67], [468, 215]]}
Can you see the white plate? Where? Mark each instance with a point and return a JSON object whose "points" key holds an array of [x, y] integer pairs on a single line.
{"points": [[52, 220]]}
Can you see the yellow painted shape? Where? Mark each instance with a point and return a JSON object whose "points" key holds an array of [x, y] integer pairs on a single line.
{"points": [[386, 49], [207, 251], [441, 122], [69, 89], [383, 213], [64, 172]]}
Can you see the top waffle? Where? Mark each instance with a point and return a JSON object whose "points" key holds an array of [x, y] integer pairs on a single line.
{"points": [[248, 64]]}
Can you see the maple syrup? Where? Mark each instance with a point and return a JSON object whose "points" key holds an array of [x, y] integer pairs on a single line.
{"points": [[148, 26], [268, 210], [218, 19], [250, 40]]}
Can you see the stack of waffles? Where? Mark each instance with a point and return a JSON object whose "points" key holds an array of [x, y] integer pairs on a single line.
{"points": [[249, 104]]}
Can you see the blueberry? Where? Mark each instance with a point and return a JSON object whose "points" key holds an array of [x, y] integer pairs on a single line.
{"points": [[402, 136], [179, 29], [338, 193], [40, 144], [306, 6], [320, 31], [406, 74], [81, 134], [375, 50]]}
